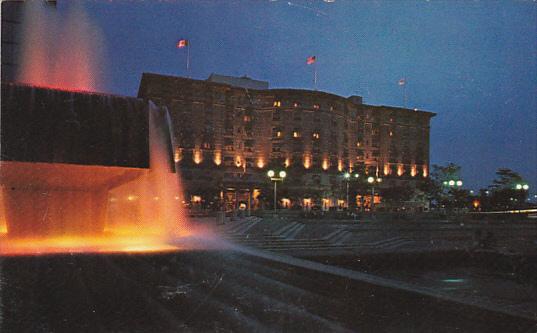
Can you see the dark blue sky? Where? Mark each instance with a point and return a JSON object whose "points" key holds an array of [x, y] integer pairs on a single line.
{"points": [[472, 62]]}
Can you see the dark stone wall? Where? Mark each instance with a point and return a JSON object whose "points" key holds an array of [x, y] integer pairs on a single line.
{"points": [[46, 125]]}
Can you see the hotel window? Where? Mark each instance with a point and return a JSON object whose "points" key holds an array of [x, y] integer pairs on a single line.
{"points": [[316, 106], [277, 133], [296, 133], [247, 119], [277, 103], [296, 104], [316, 135]]}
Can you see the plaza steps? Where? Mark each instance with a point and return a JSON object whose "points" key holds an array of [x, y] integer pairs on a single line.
{"points": [[283, 239]]}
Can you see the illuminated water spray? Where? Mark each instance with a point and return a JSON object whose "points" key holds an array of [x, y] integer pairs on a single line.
{"points": [[63, 52], [58, 207]]}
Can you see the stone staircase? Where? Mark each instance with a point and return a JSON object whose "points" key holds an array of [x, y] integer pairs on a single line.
{"points": [[284, 238]]}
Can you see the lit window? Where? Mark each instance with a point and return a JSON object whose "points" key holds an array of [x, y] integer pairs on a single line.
{"points": [[277, 103], [391, 133], [296, 104], [316, 106], [296, 134], [316, 135], [358, 144], [247, 119]]}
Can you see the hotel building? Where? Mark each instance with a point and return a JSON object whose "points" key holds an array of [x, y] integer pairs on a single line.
{"points": [[230, 131]]}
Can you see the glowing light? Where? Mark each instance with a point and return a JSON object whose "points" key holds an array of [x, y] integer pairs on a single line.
{"points": [[413, 171], [476, 203], [178, 154], [271, 173], [156, 198], [307, 161], [217, 157], [307, 202], [282, 174], [238, 161], [518, 186], [286, 203], [387, 169], [277, 103], [132, 198], [400, 170], [525, 187], [287, 162], [451, 183], [340, 165], [325, 164], [260, 163], [370, 180], [196, 199], [425, 172], [347, 175], [459, 183], [296, 134], [197, 156], [316, 135]]}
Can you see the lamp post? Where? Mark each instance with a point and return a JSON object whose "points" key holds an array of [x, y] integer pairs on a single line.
{"points": [[347, 177], [272, 175], [373, 181]]}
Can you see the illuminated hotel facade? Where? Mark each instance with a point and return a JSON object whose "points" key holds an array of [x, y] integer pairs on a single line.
{"points": [[228, 135]]}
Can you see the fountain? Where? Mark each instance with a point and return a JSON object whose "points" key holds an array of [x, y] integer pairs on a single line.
{"points": [[86, 172], [81, 171]]}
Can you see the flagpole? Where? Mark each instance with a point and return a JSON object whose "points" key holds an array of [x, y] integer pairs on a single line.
{"points": [[405, 97], [188, 59], [315, 75]]}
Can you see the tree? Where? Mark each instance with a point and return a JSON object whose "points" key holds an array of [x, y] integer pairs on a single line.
{"points": [[508, 190], [441, 192]]}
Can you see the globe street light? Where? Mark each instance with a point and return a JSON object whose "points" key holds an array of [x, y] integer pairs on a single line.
{"points": [[272, 175]]}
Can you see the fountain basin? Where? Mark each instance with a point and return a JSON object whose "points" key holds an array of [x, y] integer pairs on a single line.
{"points": [[57, 198]]}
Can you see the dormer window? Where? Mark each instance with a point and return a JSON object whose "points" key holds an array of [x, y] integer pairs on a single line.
{"points": [[316, 106], [296, 134], [277, 104], [296, 104], [316, 135]]}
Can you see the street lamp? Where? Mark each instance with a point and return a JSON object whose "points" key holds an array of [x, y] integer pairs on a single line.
{"points": [[272, 175], [524, 187], [452, 183], [372, 180], [347, 176]]}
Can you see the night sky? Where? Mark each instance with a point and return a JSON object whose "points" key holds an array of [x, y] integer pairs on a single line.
{"points": [[471, 62]]}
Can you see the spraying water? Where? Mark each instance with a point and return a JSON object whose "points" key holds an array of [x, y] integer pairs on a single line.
{"points": [[60, 207], [57, 52]]}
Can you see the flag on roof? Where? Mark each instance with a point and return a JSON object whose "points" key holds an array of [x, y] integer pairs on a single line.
{"points": [[402, 82], [310, 60], [182, 43]]}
